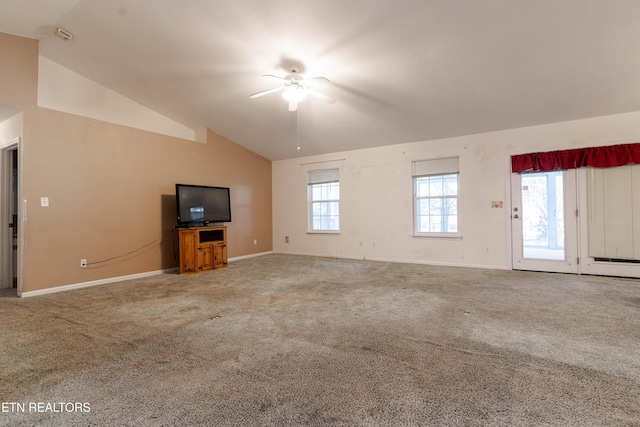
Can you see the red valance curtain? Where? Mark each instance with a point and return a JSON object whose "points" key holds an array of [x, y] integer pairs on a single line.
{"points": [[597, 157]]}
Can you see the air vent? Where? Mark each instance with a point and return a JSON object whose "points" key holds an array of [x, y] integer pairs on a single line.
{"points": [[63, 34], [628, 261]]}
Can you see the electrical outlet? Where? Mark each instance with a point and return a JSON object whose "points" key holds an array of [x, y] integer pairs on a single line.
{"points": [[83, 263], [255, 241]]}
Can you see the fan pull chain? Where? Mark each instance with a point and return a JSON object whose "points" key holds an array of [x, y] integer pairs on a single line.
{"points": [[298, 127]]}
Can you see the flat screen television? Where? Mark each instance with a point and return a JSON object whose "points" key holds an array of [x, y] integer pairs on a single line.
{"points": [[199, 205]]}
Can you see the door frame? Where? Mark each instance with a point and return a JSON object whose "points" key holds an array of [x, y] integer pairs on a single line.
{"points": [[6, 236], [587, 264], [570, 203]]}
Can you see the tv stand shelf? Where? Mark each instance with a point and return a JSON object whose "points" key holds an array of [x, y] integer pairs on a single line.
{"points": [[202, 249]]}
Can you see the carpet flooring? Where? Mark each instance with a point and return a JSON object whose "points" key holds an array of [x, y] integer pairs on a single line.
{"points": [[282, 340]]}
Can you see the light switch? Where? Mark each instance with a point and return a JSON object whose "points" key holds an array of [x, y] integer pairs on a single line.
{"points": [[44, 201]]}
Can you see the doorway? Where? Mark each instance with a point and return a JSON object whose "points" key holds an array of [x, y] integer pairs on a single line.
{"points": [[548, 234], [10, 226], [543, 221]]}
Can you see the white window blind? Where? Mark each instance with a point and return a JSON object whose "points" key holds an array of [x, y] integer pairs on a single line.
{"points": [[324, 176], [443, 166]]}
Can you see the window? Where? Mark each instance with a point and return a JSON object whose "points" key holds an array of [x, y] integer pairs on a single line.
{"points": [[435, 193], [324, 200]]}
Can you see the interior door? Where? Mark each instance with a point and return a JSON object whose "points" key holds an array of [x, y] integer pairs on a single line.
{"points": [[543, 221], [9, 215]]}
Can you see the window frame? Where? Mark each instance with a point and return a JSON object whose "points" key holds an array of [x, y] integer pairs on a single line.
{"points": [[432, 168], [322, 177]]}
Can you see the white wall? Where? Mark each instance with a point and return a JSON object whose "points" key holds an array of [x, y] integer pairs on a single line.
{"points": [[376, 194], [11, 128]]}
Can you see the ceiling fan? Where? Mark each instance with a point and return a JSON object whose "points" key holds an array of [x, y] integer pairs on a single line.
{"points": [[296, 88]]}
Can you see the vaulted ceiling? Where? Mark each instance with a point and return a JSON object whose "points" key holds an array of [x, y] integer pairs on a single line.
{"points": [[401, 70]]}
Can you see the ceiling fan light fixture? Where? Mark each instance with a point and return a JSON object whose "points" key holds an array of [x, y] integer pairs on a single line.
{"points": [[295, 89], [294, 93]]}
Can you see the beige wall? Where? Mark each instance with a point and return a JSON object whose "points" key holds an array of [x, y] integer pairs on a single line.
{"points": [[111, 188], [62, 89], [18, 72]]}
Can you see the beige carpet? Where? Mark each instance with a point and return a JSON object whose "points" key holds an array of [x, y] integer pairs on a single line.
{"points": [[293, 340]]}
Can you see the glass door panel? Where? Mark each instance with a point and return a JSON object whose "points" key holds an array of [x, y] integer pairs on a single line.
{"points": [[544, 235], [543, 216]]}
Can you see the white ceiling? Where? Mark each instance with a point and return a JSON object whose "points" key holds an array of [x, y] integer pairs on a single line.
{"points": [[401, 70]]}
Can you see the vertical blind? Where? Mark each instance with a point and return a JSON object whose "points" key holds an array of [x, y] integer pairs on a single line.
{"points": [[614, 212]]}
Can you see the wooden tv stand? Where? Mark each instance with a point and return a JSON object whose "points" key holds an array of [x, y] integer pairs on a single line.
{"points": [[202, 249]]}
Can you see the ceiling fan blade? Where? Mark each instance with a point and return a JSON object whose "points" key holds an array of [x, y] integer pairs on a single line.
{"points": [[266, 92], [323, 79], [273, 75], [320, 95]]}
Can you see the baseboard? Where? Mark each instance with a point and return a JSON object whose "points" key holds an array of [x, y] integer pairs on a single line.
{"points": [[402, 261], [96, 283], [119, 278], [238, 258], [442, 264]]}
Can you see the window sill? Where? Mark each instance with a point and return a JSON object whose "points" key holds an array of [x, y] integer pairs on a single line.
{"points": [[323, 232], [439, 235]]}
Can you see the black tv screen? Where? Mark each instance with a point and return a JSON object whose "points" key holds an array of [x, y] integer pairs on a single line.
{"points": [[201, 205]]}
